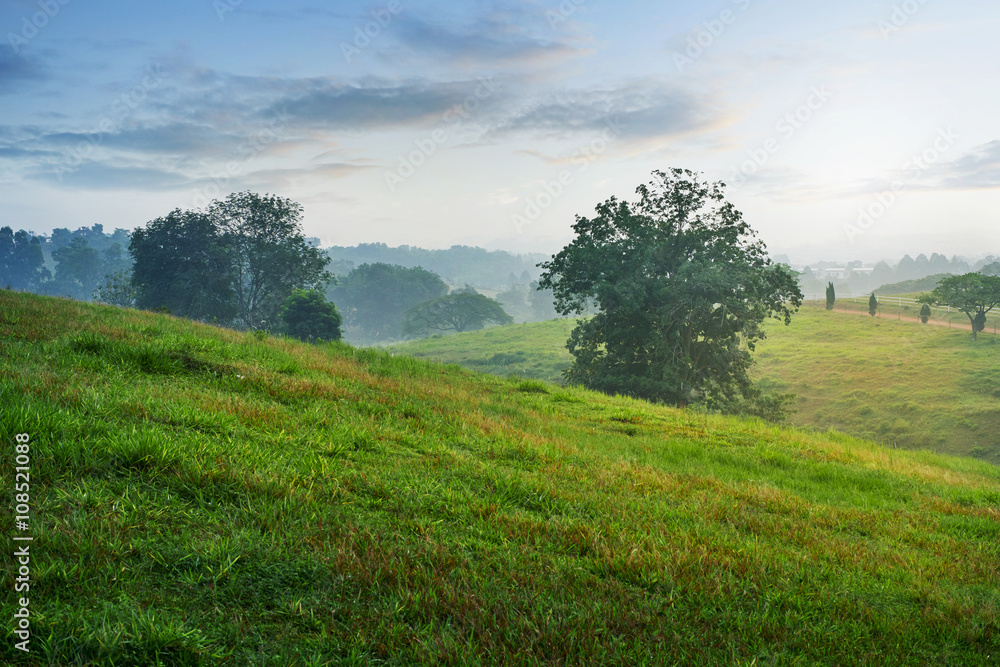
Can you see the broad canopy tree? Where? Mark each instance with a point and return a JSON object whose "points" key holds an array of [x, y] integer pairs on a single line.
{"points": [[268, 253], [682, 288], [236, 261], [182, 265], [374, 298], [461, 311], [78, 269], [972, 293]]}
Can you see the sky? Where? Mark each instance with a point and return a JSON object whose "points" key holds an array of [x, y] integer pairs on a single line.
{"points": [[843, 131]]}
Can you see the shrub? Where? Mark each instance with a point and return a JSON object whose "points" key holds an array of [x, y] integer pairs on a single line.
{"points": [[309, 316], [925, 313]]}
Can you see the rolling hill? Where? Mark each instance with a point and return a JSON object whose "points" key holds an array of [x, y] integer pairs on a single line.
{"points": [[894, 381], [203, 496]]}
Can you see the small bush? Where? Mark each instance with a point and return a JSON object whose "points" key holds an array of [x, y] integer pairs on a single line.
{"points": [[308, 316], [925, 313]]}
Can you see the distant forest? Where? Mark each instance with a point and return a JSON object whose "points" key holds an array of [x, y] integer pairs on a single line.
{"points": [[77, 263]]}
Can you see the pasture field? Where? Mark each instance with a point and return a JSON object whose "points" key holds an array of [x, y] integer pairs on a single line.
{"points": [[535, 351], [200, 496], [905, 384], [895, 381]]}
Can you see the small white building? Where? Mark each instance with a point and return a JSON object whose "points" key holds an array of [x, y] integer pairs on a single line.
{"points": [[838, 273]]}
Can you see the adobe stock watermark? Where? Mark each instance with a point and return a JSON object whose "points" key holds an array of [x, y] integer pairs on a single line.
{"points": [[121, 108], [552, 190], [707, 34], [914, 167], [901, 15], [365, 34], [22, 555], [247, 152], [561, 14], [786, 128], [48, 10], [429, 145]]}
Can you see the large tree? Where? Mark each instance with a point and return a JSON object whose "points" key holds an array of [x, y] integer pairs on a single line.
{"points": [[182, 264], [22, 264], [972, 293], [374, 298], [268, 253], [682, 288], [462, 311], [78, 268]]}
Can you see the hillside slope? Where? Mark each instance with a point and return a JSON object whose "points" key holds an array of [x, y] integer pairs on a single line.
{"points": [[199, 496], [535, 350], [900, 383], [897, 382]]}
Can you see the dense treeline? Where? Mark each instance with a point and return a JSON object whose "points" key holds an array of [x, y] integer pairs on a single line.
{"points": [[66, 263]]}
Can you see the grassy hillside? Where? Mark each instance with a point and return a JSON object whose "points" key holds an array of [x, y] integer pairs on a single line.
{"points": [[536, 350], [901, 383], [199, 496], [896, 382]]}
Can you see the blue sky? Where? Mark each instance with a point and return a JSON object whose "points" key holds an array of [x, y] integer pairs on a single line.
{"points": [[849, 130]]}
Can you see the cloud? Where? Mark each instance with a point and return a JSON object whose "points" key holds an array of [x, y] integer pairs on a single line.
{"points": [[979, 168], [95, 175], [637, 111], [338, 105], [502, 37], [173, 138], [286, 178], [17, 71], [11, 153]]}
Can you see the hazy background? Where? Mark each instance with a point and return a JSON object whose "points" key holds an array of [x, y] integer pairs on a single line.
{"points": [[493, 123]]}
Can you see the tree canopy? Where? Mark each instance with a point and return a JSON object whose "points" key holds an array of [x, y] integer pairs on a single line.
{"points": [[374, 298], [182, 264], [236, 261], [309, 316], [78, 268], [21, 260], [972, 293], [462, 311], [268, 254], [682, 288]]}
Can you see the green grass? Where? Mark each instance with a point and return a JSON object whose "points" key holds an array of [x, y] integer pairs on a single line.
{"points": [[536, 350], [203, 497], [901, 383], [892, 308], [897, 382]]}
